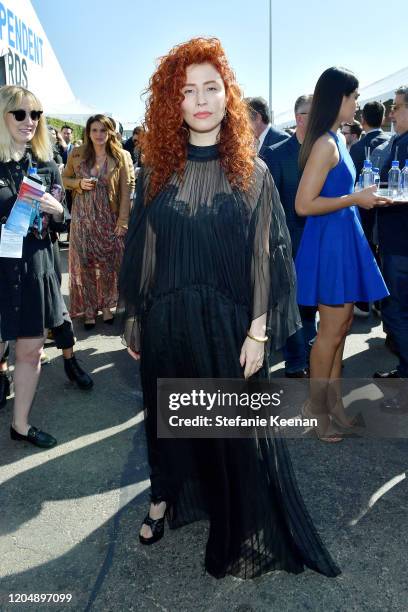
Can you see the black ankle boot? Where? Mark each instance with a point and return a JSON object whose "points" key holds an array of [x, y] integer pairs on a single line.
{"points": [[76, 374], [5, 387]]}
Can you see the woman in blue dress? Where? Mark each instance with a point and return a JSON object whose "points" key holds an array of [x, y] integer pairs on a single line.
{"points": [[334, 263]]}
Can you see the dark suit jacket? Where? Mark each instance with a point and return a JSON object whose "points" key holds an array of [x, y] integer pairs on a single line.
{"points": [[135, 153], [66, 152], [372, 139], [282, 161], [393, 220], [272, 137]]}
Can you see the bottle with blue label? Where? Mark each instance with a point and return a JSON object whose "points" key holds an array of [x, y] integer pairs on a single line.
{"points": [[367, 175], [377, 179], [404, 180], [36, 220], [394, 179]]}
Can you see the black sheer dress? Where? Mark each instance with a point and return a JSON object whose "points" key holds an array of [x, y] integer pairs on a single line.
{"points": [[202, 260]]}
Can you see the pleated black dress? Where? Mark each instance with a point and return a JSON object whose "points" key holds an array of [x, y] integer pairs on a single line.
{"points": [[201, 261]]}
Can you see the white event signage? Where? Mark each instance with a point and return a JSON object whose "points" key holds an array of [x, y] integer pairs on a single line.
{"points": [[27, 59]]}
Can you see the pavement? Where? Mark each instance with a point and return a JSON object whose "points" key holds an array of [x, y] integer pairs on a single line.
{"points": [[69, 517]]}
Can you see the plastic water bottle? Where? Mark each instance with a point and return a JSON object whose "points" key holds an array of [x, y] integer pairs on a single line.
{"points": [[367, 175], [394, 179], [404, 180], [36, 214], [376, 172]]}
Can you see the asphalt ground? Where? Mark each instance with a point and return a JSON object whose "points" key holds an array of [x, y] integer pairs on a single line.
{"points": [[69, 517]]}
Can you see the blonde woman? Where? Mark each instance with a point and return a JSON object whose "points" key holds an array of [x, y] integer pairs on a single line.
{"points": [[30, 295], [102, 182]]}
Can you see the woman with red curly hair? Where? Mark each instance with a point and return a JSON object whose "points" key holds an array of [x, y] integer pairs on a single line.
{"points": [[207, 282]]}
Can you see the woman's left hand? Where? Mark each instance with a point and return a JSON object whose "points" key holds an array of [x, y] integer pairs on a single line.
{"points": [[120, 231], [48, 204], [252, 356]]}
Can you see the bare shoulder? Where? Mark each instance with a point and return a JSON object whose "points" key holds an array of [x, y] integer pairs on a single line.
{"points": [[324, 151], [325, 144]]}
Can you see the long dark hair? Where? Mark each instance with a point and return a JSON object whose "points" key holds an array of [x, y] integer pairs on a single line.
{"points": [[332, 86], [112, 146]]}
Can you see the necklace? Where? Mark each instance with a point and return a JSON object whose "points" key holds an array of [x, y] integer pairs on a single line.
{"points": [[99, 161]]}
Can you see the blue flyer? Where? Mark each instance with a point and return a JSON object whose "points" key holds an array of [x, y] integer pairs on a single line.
{"points": [[20, 218]]}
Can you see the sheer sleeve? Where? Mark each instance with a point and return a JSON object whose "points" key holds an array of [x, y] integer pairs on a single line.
{"points": [[137, 270], [272, 269]]}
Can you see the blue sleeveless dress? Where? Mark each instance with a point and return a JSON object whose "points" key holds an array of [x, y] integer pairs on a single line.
{"points": [[334, 263]]}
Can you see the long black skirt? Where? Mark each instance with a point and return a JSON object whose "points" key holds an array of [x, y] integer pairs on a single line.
{"points": [[245, 487]]}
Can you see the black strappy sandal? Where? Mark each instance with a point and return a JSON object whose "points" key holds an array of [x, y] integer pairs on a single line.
{"points": [[156, 525]]}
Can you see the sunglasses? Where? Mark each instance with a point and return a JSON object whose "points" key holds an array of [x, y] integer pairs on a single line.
{"points": [[20, 114]]}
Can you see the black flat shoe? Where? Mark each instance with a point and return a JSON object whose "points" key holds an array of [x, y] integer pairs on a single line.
{"points": [[386, 375], [89, 326], [34, 436], [109, 321], [299, 374], [76, 374], [157, 527], [5, 387]]}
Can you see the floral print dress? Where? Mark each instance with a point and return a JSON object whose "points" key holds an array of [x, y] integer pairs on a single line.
{"points": [[95, 252]]}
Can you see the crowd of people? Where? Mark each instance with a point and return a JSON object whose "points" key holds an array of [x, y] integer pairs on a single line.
{"points": [[238, 234]]}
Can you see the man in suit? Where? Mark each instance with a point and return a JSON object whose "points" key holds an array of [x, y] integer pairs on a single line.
{"points": [[282, 161], [260, 117], [371, 121], [67, 134], [380, 154], [133, 147], [393, 242], [352, 132]]}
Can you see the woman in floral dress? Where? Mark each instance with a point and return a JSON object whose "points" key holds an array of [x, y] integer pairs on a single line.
{"points": [[100, 174]]}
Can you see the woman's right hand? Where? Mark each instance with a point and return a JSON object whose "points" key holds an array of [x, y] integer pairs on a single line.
{"points": [[368, 198], [87, 184], [134, 354]]}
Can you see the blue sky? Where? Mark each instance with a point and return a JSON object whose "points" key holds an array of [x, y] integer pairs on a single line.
{"points": [[108, 49]]}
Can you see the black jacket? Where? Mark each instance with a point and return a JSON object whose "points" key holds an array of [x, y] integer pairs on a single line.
{"points": [[134, 152], [393, 220], [372, 139], [272, 137], [283, 164], [30, 296]]}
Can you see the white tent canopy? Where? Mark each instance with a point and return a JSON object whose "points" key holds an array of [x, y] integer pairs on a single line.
{"points": [[27, 59], [384, 89], [381, 91]]}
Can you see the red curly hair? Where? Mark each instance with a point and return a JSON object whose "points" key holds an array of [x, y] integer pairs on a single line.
{"points": [[164, 142]]}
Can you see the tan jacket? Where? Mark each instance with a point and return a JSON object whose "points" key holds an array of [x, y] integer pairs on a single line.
{"points": [[121, 181]]}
